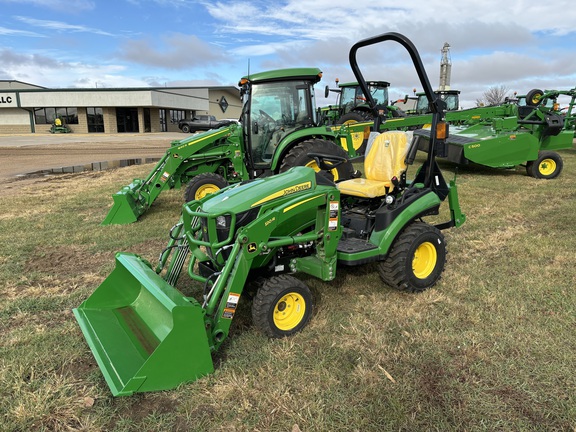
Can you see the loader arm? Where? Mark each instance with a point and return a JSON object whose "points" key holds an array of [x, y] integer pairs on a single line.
{"points": [[212, 151]]}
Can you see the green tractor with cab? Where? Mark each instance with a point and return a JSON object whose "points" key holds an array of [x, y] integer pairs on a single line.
{"points": [[352, 106], [251, 239], [278, 128]]}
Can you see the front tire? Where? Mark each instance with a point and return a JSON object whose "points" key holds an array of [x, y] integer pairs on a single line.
{"points": [[185, 128], [282, 306], [204, 184], [298, 156], [548, 166], [416, 260]]}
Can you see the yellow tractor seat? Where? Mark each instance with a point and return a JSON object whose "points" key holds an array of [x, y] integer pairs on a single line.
{"points": [[385, 159]]}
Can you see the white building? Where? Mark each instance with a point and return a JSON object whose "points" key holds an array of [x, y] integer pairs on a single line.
{"points": [[27, 108]]}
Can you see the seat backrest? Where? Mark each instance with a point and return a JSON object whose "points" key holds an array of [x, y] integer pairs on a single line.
{"points": [[386, 156]]}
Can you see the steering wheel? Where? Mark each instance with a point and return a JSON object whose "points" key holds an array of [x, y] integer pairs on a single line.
{"points": [[266, 116], [321, 160]]}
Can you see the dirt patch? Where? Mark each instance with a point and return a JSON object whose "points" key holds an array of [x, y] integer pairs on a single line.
{"points": [[67, 261]]}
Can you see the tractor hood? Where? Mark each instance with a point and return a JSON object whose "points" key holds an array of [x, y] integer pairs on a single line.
{"points": [[251, 194]]}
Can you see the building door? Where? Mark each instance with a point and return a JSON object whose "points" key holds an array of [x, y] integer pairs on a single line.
{"points": [[127, 119]]}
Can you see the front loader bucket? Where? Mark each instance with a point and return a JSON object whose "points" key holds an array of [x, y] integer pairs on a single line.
{"points": [[144, 334], [125, 209]]}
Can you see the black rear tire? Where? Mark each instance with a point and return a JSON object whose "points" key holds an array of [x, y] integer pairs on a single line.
{"points": [[355, 117], [204, 184], [416, 259], [298, 156], [282, 306], [185, 128]]}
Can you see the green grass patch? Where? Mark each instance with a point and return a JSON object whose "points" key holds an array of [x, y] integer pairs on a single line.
{"points": [[491, 347]]}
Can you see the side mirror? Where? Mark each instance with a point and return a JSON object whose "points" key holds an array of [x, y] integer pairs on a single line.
{"points": [[326, 91]]}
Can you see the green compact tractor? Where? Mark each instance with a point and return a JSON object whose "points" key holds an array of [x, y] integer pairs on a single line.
{"points": [[513, 134], [277, 130], [255, 236]]}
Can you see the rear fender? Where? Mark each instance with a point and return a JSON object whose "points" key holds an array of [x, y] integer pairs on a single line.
{"points": [[427, 202]]}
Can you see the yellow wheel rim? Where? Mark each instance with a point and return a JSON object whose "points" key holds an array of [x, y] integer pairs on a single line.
{"points": [[204, 190], [424, 260], [357, 137], [315, 167], [547, 167], [289, 311]]}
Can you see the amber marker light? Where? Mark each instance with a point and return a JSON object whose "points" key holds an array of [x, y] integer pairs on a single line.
{"points": [[442, 130]]}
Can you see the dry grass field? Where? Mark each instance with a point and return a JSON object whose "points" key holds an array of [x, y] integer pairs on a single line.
{"points": [[491, 347]]}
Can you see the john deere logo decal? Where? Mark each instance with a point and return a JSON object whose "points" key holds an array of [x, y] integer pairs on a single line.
{"points": [[287, 191], [297, 188], [252, 247]]}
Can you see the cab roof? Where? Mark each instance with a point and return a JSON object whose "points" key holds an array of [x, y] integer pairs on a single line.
{"points": [[311, 74]]}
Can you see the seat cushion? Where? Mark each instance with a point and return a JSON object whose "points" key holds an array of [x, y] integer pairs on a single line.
{"points": [[365, 188]]}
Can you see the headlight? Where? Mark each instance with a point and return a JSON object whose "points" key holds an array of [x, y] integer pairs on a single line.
{"points": [[221, 222]]}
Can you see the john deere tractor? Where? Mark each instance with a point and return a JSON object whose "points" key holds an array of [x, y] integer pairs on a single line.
{"points": [[278, 128], [352, 106], [146, 335]]}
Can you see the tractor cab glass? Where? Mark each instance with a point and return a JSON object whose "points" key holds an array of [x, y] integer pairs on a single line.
{"points": [[352, 96], [451, 101], [275, 110], [422, 105]]}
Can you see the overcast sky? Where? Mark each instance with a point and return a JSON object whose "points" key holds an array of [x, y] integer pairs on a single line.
{"points": [[141, 43]]}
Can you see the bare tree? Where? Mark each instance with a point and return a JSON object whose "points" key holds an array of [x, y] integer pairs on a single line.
{"points": [[493, 96]]}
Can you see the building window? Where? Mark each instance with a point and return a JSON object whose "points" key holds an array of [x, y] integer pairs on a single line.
{"points": [[177, 115], [95, 117], [163, 127], [48, 115]]}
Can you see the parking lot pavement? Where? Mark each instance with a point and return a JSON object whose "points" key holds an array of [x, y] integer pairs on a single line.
{"points": [[22, 155], [43, 139]]}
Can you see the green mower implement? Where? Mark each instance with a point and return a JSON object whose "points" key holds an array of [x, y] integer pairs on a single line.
{"points": [[254, 237], [278, 127], [528, 135]]}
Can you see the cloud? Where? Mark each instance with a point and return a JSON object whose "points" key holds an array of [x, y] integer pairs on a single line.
{"points": [[60, 26], [45, 70], [13, 32], [11, 58], [176, 51]]}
